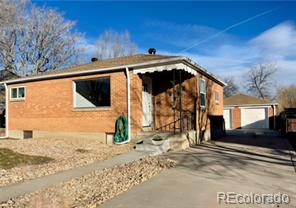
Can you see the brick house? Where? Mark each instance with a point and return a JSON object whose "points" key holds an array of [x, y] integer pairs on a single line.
{"points": [[155, 92], [243, 111]]}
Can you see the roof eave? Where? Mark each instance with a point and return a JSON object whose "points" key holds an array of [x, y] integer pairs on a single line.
{"points": [[110, 69]]}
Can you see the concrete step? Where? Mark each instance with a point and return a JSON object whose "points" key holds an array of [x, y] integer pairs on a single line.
{"points": [[148, 146], [170, 141], [150, 134]]}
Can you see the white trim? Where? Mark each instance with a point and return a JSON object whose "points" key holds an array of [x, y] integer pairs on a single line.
{"points": [[227, 108], [179, 66], [252, 107], [74, 94], [17, 93], [217, 93], [205, 92], [100, 70], [77, 108]]}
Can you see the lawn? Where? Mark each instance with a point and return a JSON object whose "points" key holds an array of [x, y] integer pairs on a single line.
{"points": [[51, 155], [10, 159]]}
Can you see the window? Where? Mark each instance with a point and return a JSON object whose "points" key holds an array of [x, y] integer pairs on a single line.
{"points": [[202, 91], [17, 93], [216, 97], [92, 93]]}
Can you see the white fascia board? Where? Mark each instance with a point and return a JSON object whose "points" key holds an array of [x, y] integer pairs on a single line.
{"points": [[258, 106], [169, 67]]}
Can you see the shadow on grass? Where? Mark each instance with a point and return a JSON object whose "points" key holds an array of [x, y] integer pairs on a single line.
{"points": [[10, 159]]}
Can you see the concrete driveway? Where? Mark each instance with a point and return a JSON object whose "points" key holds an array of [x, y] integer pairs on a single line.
{"points": [[242, 162]]}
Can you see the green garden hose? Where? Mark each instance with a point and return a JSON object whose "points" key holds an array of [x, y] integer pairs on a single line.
{"points": [[121, 129]]}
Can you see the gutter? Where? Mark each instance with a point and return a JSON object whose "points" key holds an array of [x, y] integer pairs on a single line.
{"points": [[117, 68], [274, 117]]}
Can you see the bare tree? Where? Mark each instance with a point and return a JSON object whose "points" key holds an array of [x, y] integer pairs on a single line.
{"points": [[286, 96], [113, 44], [231, 88], [260, 79], [36, 39]]}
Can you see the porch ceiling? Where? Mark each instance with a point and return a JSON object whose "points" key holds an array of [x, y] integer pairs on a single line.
{"points": [[179, 66]]}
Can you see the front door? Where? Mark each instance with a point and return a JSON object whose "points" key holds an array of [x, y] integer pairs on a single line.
{"points": [[147, 105]]}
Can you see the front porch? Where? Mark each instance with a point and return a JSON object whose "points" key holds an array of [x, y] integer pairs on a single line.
{"points": [[169, 101]]}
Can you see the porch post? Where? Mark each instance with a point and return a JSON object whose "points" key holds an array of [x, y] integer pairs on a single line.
{"points": [[180, 91], [174, 99]]}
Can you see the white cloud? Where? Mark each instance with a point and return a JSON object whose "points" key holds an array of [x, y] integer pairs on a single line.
{"points": [[88, 46], [182, 35], [224, 58], [277, 42]]}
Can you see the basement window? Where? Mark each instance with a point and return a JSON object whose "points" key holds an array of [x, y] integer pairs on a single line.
{"points": [[92, 93], [202, 91], [17, 93]]}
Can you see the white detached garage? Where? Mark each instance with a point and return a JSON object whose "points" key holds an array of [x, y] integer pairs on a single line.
{"points": [[243, 111]]}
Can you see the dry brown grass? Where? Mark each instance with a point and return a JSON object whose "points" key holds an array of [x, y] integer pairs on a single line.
{"points": [[93, 189], [67, 154]]}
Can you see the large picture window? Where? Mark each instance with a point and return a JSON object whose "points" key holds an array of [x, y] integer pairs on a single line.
{"points": [[92, 93], [202, 91]]}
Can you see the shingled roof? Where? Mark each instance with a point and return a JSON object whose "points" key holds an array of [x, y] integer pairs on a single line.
{"points": [[242, 99], [113, 62], [131, 62]]}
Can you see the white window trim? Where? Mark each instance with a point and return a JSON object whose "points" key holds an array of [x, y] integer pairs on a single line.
{"points": [[77, 108], [217, 101], [17, 93], [205, 92]]}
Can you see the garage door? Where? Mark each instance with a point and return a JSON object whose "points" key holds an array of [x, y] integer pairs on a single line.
{"points": [[256, 118], [227, 118]]}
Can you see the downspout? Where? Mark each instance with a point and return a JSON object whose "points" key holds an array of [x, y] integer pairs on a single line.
{"points": [[128, 103], [6, 111], [128, 83], [274, 117]]}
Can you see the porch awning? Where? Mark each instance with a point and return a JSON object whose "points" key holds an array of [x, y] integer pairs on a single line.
{"points": [[179, 66]]}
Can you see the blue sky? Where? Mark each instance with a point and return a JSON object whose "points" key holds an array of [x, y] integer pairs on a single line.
{"points": [[172, 27]]}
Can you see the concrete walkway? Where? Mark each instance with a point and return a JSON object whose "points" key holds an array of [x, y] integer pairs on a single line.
{"points": [[242, 162], [26, 187]]}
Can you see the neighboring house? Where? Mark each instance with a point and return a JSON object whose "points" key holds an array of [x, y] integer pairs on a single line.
{"points": [[243, 111], [156, 93]]}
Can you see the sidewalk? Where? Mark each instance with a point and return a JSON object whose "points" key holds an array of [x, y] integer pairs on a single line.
{"points": [[15, 190]]}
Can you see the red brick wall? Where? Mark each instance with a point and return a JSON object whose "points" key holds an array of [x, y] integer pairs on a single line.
{"points": [[136, 103], [236, 118], [48, 106], [163, 101]]}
